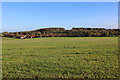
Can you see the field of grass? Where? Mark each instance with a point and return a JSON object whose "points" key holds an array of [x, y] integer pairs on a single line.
{"points": [[83, 57]]}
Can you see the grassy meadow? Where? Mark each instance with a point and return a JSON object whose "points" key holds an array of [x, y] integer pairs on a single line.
{"points": [[60, 57]]}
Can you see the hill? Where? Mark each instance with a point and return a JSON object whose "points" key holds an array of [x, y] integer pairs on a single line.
{"points": [[61, 32]]}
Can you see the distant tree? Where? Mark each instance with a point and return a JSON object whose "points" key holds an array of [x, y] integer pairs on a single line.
{"points": [[12, 35], [5, 33], [39, 34], [16, 34]]}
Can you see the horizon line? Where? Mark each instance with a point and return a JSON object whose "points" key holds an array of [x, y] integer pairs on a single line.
{"points": [[56, 27]]}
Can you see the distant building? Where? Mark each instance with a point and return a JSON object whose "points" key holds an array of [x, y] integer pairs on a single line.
{"points": [[22, 36], [33, 36]]}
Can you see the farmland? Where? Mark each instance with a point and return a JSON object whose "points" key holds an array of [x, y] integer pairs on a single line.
{"points": [[60, 57]]}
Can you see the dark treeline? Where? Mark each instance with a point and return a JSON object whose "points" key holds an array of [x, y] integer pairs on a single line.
{"points": [[61, 32]]}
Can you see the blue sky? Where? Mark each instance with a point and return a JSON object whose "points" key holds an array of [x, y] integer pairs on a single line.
{"points": [[24, 16]]}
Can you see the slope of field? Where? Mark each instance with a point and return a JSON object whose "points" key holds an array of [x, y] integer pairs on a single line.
{"points": [[85, 57]]}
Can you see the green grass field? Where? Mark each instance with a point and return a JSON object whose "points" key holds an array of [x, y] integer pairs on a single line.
{"points": [[83, 57]]}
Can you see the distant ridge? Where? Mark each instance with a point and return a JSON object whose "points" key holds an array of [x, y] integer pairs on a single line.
{"points": [[61, 32]]}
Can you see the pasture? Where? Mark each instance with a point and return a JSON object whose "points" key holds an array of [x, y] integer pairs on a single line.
{"points": [[60, 57]]}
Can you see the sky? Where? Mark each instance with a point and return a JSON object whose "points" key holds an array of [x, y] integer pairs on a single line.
{"points": [[25, 16]]}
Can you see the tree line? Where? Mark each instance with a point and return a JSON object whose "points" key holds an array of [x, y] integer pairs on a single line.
{"points": [[61, 32]]}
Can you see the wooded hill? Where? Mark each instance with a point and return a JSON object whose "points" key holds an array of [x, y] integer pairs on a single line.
{"points": [[61, 32]]}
